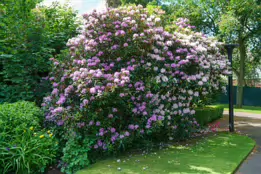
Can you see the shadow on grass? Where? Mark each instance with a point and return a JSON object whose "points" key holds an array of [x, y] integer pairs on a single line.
{"points": [[218, 154]]}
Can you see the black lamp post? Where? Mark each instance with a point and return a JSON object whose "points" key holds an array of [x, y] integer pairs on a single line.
{"points": [[230, 48]]}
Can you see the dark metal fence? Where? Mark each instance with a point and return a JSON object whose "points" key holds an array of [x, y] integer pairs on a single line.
{"points": [[251, 96]]}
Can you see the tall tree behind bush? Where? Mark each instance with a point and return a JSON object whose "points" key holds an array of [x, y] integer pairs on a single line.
{"points": [[235, 21], [29, 36], [116, 3]]}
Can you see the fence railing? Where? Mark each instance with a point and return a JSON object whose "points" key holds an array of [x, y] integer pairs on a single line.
{"points": [[251, 96]]}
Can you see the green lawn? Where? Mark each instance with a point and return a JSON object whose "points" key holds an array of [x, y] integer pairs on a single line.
{"points": [[219, 154], [249, 109]]}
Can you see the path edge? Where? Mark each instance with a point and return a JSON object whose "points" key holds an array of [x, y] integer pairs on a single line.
{"points": [[244, 159]]}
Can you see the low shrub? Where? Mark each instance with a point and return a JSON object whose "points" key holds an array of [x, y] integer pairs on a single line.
{"points": [[24, 147], [31, 152], [76, 155], [208, 114], [17, 117]]}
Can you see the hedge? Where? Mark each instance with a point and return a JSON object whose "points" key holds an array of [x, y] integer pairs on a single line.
{"points": [[208, 114]]}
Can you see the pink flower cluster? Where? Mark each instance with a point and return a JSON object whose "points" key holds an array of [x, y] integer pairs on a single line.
{"points": [[126, 76]]}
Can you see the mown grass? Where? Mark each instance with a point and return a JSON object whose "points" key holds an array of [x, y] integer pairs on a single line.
{"points": [[220, 154], [248, 109]]}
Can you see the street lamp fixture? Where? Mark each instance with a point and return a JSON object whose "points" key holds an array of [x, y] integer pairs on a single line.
{"points": [[229, 48]]}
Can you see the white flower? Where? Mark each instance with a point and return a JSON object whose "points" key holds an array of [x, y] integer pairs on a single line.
{"points": [[149, 19], [135, 35], [175, 106], [156, 51], [190, 92], [200, 83], [164, 78], [162, 70], [155, 68], [169, 43], [157, 20], [204, 79], [158, 79], [192, 112], [161, 106]]}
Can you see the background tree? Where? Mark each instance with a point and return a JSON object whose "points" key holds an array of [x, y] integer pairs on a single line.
{"points": [[116, 3], [234, 21], [29, 36]]}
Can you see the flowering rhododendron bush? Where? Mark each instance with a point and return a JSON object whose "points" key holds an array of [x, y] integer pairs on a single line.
{"points": [[128, 78]]}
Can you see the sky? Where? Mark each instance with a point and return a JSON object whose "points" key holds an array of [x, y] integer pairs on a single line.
{"points": [[83, 6]]}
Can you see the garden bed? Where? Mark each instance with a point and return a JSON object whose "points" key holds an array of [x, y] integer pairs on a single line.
{"points": [[215, 154]]}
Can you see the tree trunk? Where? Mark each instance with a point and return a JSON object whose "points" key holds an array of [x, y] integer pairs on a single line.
{"points": [[240, 88]]}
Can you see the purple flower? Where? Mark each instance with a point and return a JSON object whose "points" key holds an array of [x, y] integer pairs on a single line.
{"points": [[127, 134], [160, 118], [131, 127], [92, 90], [98, 123], [173, 65], [61, 100], [153, 118], [115, 47], [110, 116], [113, 130], [85, 102], [91, 123], [57, 110], [114, 109], [125, 44], [60, 122], [100, 143], [55, 84], [55, 91]]}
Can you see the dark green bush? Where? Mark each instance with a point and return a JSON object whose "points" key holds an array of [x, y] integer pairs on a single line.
{"points": [[208, 114], [24, 146], [29, 37]]}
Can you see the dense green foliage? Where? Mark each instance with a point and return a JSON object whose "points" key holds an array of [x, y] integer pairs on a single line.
{"points": [[76, 155], [29, 36], [208, 114], [17, 117], [24, 147], [234, 21]]}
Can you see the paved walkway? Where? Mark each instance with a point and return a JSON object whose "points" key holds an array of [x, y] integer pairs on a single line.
{"points": [[249, 124]]}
